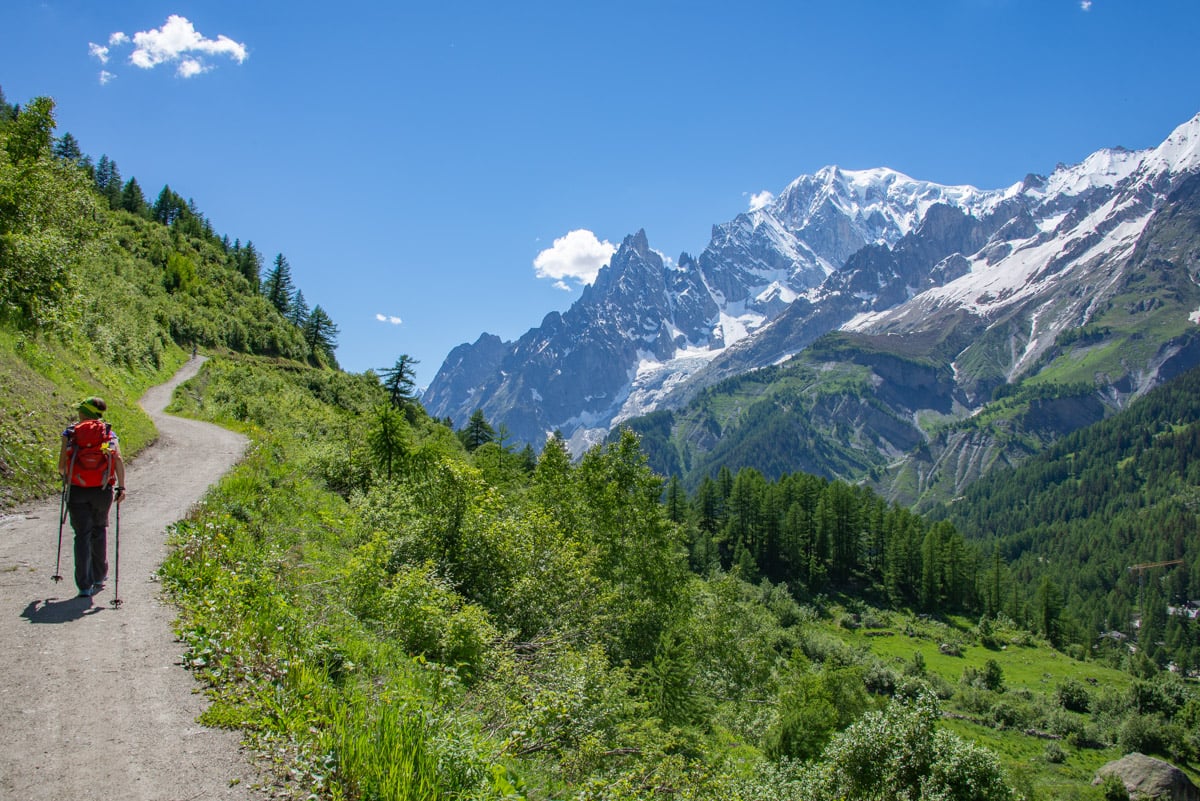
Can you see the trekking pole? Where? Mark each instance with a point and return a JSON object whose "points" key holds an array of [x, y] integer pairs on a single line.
{"points": [[62, 518], [116, 601]]}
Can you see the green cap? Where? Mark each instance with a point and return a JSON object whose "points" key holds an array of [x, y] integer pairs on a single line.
{"points": [[92, 407]]}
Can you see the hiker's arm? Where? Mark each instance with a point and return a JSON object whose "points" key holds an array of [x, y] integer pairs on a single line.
{"points": [[63, 462], [119, 469]]}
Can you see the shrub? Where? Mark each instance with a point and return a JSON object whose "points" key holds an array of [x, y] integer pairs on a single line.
{"points": [[900, 753], [975, 700], [1141, 733], [991, 677], [1009, 714], [1073, 695], [1113, 788], [1059, 721]]}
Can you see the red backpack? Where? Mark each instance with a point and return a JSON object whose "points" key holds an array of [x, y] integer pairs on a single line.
{"points": [[91, 456]]}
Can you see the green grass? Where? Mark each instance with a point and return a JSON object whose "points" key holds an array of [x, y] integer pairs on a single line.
{"points": [[1031, 672], [1025, 760], [41, 379], [1032, 666]]}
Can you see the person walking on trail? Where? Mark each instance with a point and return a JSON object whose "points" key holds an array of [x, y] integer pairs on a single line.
{"points": [[89, 461]]}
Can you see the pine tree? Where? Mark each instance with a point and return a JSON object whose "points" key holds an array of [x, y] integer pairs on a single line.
{"points": [[102, 173], [298, 314], [477, 432], [676, 501], [320, 333], [249, 264], [278, 286], [400, 382], [169, 206], [1048, 604], [389, 438], [112, 189], [66, 147], [132, 199]]}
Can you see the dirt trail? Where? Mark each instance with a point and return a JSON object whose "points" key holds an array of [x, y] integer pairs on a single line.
{"points": [[94, 703]]}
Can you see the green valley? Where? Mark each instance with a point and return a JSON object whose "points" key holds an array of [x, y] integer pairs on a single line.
{"points": [[388, 608]]}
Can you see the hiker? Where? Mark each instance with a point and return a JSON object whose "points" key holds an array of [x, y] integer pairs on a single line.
{"points": [[89, 461]]}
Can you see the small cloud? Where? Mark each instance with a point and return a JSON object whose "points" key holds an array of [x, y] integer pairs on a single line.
{"points": [[1086, 5], [760, 199], [105, 77], [190, 66], [577, 256], [388, 318], [176, 42]]}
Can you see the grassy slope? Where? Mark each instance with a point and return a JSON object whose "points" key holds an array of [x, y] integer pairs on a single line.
{"points": [[1032, 671], [40, 381]]}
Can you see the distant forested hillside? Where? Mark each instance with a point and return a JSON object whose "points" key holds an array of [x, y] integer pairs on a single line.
{"points": [[1090, 512]]}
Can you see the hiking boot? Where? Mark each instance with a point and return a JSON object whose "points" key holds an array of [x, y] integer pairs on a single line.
{"points": [[88, 593]]}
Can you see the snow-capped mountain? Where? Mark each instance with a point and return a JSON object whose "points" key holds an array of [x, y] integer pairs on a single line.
{"points": [[871, 251]]}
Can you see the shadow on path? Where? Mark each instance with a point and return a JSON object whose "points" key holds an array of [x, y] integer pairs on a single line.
{"points": [[53, 610]]}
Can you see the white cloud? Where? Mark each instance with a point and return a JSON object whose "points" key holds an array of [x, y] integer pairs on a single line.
{"points": [[388, 318], [105, 77], [760, 199], [1086, 5], [176, 42], [577, 256], [98, 51], [191, 66]]}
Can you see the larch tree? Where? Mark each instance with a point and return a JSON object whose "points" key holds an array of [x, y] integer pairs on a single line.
{"points": [[477, 431], [400, 382], [320, 333], [132, 199], [278, 287], [298, 313]]}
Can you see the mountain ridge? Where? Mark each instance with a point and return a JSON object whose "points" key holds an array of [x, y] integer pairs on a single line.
{"points": [[868, 251]]}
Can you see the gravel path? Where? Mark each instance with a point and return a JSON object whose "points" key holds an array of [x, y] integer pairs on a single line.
{"points": [[94, 703]]}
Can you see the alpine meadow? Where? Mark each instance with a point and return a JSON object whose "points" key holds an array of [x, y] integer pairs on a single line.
{"points": [[389, 603]]}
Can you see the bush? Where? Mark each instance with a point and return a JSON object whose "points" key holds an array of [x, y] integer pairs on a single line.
{"points": [[1141, 733], [1054, 753], [1010, 715], [1057, 720], [991, 677], [975, 700], [1073, 695], [424, 613], [900, 753], [1113, 788]]}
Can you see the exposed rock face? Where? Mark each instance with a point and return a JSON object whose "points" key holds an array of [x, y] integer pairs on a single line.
{"points": [[575, 369], [1090, 275], [1149, 778]]}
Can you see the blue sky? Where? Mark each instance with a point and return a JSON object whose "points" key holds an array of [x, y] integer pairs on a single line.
{"points": [[416, 163]]}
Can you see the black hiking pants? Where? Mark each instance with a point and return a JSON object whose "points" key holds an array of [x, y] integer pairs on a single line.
{"points": [[88, 507]]}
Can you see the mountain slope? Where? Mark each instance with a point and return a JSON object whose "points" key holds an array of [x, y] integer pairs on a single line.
{"points": [[1116, 494], [647, 326], [956, 387], [1053, 280]]}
